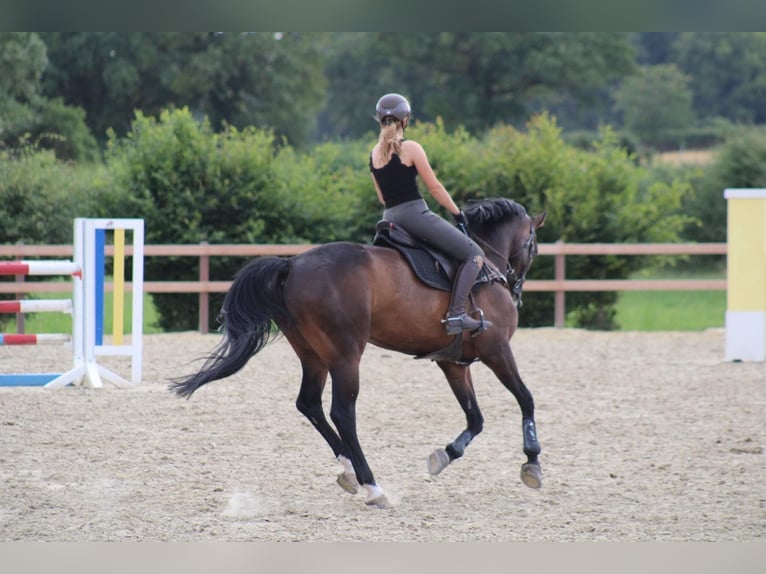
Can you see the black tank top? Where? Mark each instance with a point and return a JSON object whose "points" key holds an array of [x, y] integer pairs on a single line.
{"points": [[396, 181]]}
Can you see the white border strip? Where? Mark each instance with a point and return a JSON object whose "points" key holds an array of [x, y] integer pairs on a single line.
{"points": [[745, 194], [746, 336]]}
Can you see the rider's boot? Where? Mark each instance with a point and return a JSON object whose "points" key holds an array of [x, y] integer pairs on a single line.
{"points": [[457, 319]]}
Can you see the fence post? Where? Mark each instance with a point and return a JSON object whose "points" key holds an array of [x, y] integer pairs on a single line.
{"points": [[559, 302], [204, 296]]}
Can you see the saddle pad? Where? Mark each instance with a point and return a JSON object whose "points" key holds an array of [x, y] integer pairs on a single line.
{"points": [[426, 268]]}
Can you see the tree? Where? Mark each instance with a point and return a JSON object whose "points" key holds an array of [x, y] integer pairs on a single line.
{"points": [[728, 72], [273, 81], [740, 162], [26, 117], [655, 101], [472, 79], [23, 60], [264, 79], [654, 48]]}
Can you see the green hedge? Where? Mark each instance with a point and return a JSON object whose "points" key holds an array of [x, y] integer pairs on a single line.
{"points": [[40, 195], [740, 162], [591, 196], [192, 184]]}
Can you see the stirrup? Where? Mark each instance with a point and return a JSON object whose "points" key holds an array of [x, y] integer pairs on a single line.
{"points": [[456, 325]]}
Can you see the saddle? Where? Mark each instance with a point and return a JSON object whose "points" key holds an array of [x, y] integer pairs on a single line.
{"points": [[435, 269], [431, 266]]}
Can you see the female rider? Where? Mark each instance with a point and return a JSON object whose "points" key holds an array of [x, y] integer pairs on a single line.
{"points": [[395, 163]]}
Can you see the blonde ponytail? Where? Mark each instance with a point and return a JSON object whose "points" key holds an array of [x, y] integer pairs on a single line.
{"points": [[390, 141]]}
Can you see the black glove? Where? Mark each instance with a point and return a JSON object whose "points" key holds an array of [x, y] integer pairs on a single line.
{"points": [[461, 221]]}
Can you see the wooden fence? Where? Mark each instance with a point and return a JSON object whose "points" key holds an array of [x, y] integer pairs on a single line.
{"points": [[560, 285]]}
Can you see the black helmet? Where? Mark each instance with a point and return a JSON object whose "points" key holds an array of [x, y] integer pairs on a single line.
{"points": [[392, 105]]}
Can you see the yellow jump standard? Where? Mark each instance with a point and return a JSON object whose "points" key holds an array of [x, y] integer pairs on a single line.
{"points": [[746, 275]]}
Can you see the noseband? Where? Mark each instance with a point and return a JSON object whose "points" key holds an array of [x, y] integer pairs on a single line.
{"points": [[515, 280]]}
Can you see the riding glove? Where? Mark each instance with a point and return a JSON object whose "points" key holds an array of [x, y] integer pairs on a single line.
{"points": [[461, 221]]}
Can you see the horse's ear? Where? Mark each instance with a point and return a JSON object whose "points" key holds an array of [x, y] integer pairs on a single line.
{"points": [[539, 219]]}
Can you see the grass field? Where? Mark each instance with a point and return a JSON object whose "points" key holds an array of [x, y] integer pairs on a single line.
{"points": [[687, 157], [673, 310]]}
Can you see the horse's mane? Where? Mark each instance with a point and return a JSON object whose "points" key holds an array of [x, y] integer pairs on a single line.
{"points": [[487, 211]]}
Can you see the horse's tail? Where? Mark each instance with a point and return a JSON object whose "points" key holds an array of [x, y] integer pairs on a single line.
{"points": [[253, 302]]}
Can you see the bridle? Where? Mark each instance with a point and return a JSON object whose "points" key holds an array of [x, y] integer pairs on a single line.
{"points": [[514, 280]]}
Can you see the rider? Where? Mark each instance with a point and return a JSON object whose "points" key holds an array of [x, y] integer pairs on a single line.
{"points": [[395, 163]]}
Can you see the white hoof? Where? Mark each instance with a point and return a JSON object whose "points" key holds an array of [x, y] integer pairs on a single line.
{"points": [[531, 475], [438, 460], [380, 501], [375, 497], [347, 478], [348, 482]]}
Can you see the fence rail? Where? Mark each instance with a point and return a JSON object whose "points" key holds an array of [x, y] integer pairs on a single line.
{"points": [[559, 285]]}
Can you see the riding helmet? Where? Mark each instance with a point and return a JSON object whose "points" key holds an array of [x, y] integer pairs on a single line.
{"points": [[392, 105]]}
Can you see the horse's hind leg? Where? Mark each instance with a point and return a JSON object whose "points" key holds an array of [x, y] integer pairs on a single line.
{"points": [[345, 389], [309, 403], [459, 378], [504, 366]]}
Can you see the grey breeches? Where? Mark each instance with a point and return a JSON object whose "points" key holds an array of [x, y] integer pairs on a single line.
{"points": [[419, 221]]}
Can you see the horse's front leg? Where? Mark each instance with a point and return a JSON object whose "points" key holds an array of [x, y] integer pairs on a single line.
{"points": [[459, 378], [504, 366]]}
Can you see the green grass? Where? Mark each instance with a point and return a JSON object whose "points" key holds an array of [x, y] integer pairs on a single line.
{"points": [[672, 310], [62, 323]]}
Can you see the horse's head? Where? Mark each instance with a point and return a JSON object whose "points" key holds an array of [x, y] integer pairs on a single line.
{"points": [[507, 233]]}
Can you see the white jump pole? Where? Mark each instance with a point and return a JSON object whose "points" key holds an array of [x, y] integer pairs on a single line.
{"points": [[39, 267], [37, 306]]}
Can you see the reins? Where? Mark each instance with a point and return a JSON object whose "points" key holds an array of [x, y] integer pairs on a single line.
{"points": [[513, 282]]}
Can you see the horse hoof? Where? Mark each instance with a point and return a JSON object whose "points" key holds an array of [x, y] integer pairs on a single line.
{"points": [[531, 475], [438, 460], [348, 482], [380, 501]]}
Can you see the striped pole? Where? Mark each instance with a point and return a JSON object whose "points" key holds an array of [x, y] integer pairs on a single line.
{"points": [[22, 268], [13, 339], [39, 268], [36, 306]]}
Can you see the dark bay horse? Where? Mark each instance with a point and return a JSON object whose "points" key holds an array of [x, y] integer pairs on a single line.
{"points": [[333, 300]]}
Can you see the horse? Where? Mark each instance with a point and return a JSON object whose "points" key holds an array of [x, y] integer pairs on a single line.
{"points": [[331, 301]]}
